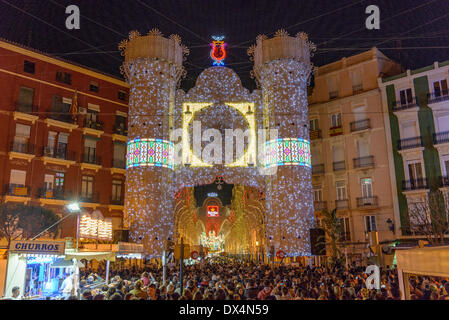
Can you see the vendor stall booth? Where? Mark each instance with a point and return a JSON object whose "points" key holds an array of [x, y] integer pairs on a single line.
{"points": [[29, 267], [428, 261]]}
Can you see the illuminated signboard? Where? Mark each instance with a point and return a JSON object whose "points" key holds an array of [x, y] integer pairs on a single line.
{"points": [[212, 211]]}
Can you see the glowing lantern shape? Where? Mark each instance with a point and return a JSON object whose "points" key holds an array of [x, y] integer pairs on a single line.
{"points": [[218, 52]]}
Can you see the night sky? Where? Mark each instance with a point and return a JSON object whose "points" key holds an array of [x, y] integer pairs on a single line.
{"points": [[413, 32]]}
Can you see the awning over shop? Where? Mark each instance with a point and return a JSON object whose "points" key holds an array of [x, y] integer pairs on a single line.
{"points": [[431, 261], [62, 263], [109, 256]]}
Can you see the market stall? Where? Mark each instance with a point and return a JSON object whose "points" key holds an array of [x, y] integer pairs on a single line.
{"points": [[429, 261], [29, 268]]}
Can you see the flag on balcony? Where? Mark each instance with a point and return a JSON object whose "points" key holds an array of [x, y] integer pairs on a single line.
{"points": [[74, 106]]}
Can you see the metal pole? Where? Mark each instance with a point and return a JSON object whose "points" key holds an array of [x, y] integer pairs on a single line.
{"points": [[163, 267], [107, 271], [181, 260], [77, 231], [59, 221]]}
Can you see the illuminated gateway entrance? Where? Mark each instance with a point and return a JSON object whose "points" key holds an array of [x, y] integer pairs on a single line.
{"points": [[186, 174]]}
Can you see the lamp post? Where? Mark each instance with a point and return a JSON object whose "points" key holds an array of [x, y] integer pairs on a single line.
{"points": [[75, 208]]}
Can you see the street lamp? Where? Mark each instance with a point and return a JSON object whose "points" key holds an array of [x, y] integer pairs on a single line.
{"points": [[74, 208]]}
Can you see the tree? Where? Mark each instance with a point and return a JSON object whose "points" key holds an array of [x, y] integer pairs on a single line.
{"points": [[25, 222], [332, 228], [429, 218]]}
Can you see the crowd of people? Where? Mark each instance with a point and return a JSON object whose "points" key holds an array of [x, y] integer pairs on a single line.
{"points": [[234, 280]]}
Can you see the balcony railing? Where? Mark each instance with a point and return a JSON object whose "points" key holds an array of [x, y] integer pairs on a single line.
{"points": [[444, 181], [345, 236], [91, 158], [410, 143], [121, 130], [339, 165], [364, 162], [17, 190], [58, 153], [118, 163], [357, 88], [58, 194], [62, 116], [320, 205], [367, 202], [117, 201], [90, 198], [318, 169], [342, 204], [25, 107], [22, 147], [402, 105], [315, 134], [97, 125], [437, 96], [415, 184], [360, 125], [333, 94], [441, 137]]}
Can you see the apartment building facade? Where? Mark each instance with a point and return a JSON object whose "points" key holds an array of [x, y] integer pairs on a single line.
{"points": [[416, 111], [350, 167], [51, 156]]}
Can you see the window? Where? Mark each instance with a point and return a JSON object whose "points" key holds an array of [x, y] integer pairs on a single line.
{"points": [[87, 187], [117, 190], [333, 87], [59, 180], [445, 165], [119, 155], [440, 88], [21, 138], [49, 181], [367, 187], [57, 144], [93, 86], [25, 102], [64, 77], [90, 148], [370, 223], [415, 171], [409, 130], [406, 96], [442, 122], [317, 195], [120, 125], [121, 95], [341, 190], [17, 178], [363, 148], [356, 77], [345, 232], [338, 153], [314, 124], [336, 120], [60, 108], [29, 67]]}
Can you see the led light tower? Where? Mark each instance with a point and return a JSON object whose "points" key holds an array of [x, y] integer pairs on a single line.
{"points": [[282, 67], [153, 67]]}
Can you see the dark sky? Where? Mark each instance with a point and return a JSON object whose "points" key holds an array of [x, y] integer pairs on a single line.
{"points": [[418, 27]]}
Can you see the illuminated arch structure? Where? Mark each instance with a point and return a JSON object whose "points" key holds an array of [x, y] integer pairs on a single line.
{"points": [[268, 209]]}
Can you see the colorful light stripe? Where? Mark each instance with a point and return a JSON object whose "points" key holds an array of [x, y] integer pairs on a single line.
{"points": [[287, 152], [150, 152]]}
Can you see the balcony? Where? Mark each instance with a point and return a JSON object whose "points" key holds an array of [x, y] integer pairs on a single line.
{"points": [[345, 236], [315, 134], [90, 200], [21, 147], [90, 160], [336, 131], [52, 196], [121, 130], [415, 184], [357, 89], [438, 96], [320, 205], [61, 120], [367, 202], [360, 125], [56, 155], [342, 204], [17, 190], [93, 127], [403, 105], [410, 143], [444, 181], [117, 201], [21, 150], [118, 166], [441, 137], [333, 95], [339, 165], [364, 162], [318, 169], [25, 108]]}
